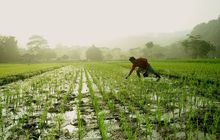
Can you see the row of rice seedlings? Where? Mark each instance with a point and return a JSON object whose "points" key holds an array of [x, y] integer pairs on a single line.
{"points": [[80, 123], [1, 119], [57, 130], [123, 119], [126, 122], [44, 115], [64, 90], [106, 98], [130, 131], [80, 89], [99, 114], [149, 127], [43, 118], [102, 126], [60, 89], [126, 126], [122, 96]]}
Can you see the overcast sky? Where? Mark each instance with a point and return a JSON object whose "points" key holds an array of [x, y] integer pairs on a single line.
{"points": [[85, 22]]}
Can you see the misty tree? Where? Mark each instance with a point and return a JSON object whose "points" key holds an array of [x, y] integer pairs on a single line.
{"points": [[196, 47], [8, 49], [147, 50], [149, 45], [36, 43], [39, 49], [175, 50], [94, 53]]}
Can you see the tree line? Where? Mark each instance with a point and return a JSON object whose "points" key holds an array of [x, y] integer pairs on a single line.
{"points": [[209, 32], [38, 50]]}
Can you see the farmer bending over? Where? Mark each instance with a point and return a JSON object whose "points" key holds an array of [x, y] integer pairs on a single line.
{"points": [[143, 67]]}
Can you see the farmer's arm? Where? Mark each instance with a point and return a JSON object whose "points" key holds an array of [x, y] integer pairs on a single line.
{"points": [[132, 69]]}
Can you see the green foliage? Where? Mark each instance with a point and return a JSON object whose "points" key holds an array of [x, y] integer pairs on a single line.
{"points": [[8, 49], [101, 117], [80, 124], [36, 42], [38, 49], [196, 47], [209, 32]]}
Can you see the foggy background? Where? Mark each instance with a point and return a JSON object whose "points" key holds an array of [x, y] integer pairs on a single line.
{"points": [[65, 29]]}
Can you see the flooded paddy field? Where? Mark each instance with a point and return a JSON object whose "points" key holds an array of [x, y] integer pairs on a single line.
{"points": [[94, 101]]}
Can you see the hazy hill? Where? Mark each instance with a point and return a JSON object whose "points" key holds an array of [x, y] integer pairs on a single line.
{"points": [[162, 39], [209, 31]]}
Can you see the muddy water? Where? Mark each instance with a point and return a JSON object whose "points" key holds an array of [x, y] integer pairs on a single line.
{"points": [[87, 114], [70, 117]]}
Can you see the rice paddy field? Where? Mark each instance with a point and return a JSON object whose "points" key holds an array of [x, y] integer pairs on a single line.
{"points": [[93, 100], [13, 69], [13, 72]]}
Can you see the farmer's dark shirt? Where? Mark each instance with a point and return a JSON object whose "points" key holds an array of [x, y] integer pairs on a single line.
{"points": [[141, 63]]}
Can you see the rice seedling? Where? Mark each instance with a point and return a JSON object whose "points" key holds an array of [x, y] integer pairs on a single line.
{"points": [[80, 124], [102, 126]]}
